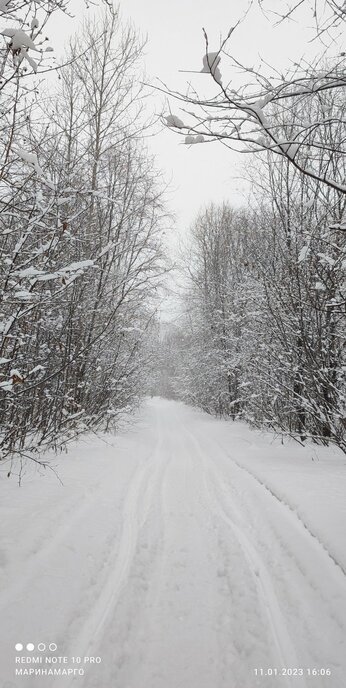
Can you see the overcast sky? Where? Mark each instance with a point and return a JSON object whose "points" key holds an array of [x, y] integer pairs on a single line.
{"points": [[208, 172]]}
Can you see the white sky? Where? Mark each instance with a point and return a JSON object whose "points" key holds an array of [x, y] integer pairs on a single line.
{"points": [[208, 172]]}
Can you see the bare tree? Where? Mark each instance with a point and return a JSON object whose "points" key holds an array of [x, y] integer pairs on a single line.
{"points": [[84, 265], [258, 108], [262, 332], [326, 15]]}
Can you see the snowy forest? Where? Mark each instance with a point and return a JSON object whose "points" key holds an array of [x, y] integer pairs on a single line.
{"points": [[173, 344], [262, 334], [81, 224], [261, 331]]}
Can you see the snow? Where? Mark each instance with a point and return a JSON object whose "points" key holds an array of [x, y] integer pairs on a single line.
{"points": [[19, 39], [33, 64], [80, 265], [217, 76], [31, 159], [38, 368], [210, 66], [4, 6], [190, 140], [24, 295], [16, 373], [304, 253], [32, 272], [7, 385], [326, 260], [319, 286], [29, 272], [174, 121], [184, 552], [210, 63]]}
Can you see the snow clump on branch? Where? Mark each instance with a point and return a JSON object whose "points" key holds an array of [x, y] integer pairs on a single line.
{"points": [[189, 140], [211, 63], [31, 159], [174, 121], [19, 39]]}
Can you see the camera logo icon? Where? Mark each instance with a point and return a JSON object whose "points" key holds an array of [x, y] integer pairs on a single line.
{"points": [[41, 647]]}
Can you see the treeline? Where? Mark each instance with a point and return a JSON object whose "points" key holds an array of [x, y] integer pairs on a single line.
{"points": [[262, 330], [81, 218]]}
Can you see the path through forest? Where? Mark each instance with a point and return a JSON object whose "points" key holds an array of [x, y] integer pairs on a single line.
{"points": [[186, 553]]}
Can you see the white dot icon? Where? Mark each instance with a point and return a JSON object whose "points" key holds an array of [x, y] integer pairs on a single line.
{"points": [[30, 647], [18, 647]]}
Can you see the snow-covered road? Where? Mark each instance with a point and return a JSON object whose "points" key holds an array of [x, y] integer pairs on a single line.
{"points": [[186, 553]]}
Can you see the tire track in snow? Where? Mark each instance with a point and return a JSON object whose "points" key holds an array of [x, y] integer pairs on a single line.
{"points": [[180, 647], [283, 642], [285, 650], [291, 511], [134, 515]]}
